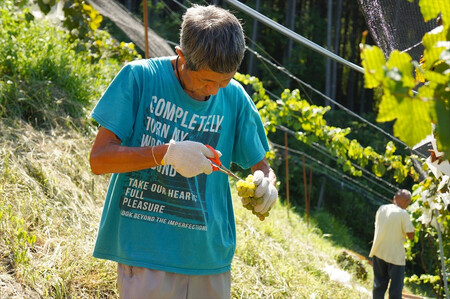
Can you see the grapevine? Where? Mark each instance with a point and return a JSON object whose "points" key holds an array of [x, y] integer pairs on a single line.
{"points": [[310, 126]]}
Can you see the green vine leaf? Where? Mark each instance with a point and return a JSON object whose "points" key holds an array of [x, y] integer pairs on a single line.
{"points": [[387, 110], [413, 120], [372, 61], [431, 9], [443, 117], [379, 169], [401, 63]]}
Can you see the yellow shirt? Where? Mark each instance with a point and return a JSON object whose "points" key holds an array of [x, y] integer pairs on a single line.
{"points": [[391, 225]]}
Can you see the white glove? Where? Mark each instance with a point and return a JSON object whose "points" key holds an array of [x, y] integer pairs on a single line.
{"points": [[189, 158], [265, 190]]}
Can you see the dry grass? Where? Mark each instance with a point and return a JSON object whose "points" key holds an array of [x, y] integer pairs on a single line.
{"points": [[284, 258], [51, 204], [48, 192]]}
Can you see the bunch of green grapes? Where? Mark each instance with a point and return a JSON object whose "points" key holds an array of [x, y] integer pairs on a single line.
{"points": [[246, 190]]}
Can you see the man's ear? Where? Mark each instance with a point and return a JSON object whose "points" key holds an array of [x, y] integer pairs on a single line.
{"points": [[179, 52]]}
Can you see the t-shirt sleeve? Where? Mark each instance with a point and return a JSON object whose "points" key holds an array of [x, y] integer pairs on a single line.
{"points": [[250, 140], [117, 107]]}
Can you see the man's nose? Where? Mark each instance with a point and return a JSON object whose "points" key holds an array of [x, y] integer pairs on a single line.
{"points": [[213, 88]]}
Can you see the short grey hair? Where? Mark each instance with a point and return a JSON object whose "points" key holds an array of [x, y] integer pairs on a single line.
{"points": [[212, 38]]}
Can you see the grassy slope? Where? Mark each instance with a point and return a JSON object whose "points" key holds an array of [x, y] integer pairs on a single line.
{"points": [[51, 203]]}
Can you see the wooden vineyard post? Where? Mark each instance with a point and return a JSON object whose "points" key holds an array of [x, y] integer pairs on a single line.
{"points": [[305, 190], [144, 4], [287, 171], [309, 192]]}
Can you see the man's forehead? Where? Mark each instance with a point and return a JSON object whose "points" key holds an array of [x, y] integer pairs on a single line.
{"points": [[207, 74]]}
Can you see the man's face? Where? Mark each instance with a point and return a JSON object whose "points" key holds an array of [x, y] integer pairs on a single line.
{"points": [[206, 82]]}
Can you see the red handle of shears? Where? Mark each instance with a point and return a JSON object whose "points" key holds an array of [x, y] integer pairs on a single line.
{"points": [[215, 160]]}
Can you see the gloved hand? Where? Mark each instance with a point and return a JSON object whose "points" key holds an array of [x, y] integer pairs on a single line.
{"points": [[266, 191], [189, 158]]}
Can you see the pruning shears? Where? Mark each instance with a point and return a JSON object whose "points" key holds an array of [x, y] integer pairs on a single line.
{"points": [[217, 165]]}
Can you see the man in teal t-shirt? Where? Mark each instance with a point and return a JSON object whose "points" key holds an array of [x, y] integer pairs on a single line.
{"points": [[168, 219]]}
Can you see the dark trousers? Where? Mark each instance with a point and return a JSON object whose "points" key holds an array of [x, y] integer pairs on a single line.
{"points": [[383, 272]]}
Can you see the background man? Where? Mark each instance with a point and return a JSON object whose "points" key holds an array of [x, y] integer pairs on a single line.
{"points": [[392, 226]]}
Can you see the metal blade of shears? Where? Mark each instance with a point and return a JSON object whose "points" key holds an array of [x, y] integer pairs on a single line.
{"points": [[226, 171], [217, 165]]}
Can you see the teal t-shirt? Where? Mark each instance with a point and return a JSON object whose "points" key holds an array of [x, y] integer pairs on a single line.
{"points": [[156, 218]]}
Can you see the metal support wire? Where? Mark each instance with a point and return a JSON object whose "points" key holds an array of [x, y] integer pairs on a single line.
{"points": [[345, 109], [292, 35], [332, 170], [363, 190], [325, 152]]}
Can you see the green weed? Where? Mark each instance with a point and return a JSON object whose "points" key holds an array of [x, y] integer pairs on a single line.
{"points": [[44, 78]]}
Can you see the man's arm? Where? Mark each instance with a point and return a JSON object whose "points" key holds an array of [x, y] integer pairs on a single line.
{"points": [[264, 166], [410, 235], [108, 156]]}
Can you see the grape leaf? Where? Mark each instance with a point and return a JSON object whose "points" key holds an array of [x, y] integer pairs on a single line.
{"points": [[436, 77], [390, 149], [388, 108], [432, 51], [413, 120], [431, 9], [355, 150], [378, 169], [443, 115], [402, 62], [372, 61]]}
